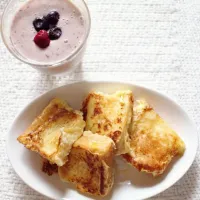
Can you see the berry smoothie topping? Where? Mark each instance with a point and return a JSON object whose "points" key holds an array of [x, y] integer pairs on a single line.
{"points": [[41, 24], [47, 23], [53, 17], [45, 32], [42, 39], [55, 33]]}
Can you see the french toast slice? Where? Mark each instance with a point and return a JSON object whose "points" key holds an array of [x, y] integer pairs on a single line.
{"points": [[90, 164], [110, 115], [49, 168], [54, 131], [153, 143]]}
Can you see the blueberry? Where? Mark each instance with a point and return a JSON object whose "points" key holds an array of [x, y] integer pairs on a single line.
{"points": [[55, 33], [53, 17], [41, 24], [51, 26]]}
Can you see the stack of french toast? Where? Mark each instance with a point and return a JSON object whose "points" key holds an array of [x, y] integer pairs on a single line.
{"points": [[83, 144]]}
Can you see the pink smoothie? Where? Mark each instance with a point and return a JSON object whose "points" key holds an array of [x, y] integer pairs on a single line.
{"points": [[71, 22]]}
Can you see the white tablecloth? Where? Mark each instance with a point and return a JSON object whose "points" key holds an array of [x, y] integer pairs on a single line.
{"points": [[153, 42]]}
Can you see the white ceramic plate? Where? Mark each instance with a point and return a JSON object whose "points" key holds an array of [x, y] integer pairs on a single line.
{"points": [[129, 183]]}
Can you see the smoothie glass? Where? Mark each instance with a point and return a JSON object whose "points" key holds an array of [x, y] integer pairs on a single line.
{"points": [[64, 66]]}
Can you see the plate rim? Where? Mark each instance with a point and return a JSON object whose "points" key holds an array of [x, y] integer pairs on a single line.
{"points": [[142, 86]]}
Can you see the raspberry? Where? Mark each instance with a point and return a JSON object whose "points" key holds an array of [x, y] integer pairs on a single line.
{"points": [[42, 39]]}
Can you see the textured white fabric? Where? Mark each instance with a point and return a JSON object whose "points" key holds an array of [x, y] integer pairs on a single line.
{"points": [[153, 42]]}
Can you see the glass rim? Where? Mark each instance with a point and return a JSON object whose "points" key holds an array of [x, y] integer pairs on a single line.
{"points": [[37, 64]]}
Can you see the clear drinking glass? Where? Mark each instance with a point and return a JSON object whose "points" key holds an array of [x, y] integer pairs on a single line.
{"points": [[64, 66]]}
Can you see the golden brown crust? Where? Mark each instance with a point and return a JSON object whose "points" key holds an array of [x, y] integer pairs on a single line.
{"points": [[94, 180], [145, 167], [54, 131], [115, 135], [109, 115], [49, 168], [97, 111], [153, 143], [91, 170]]}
